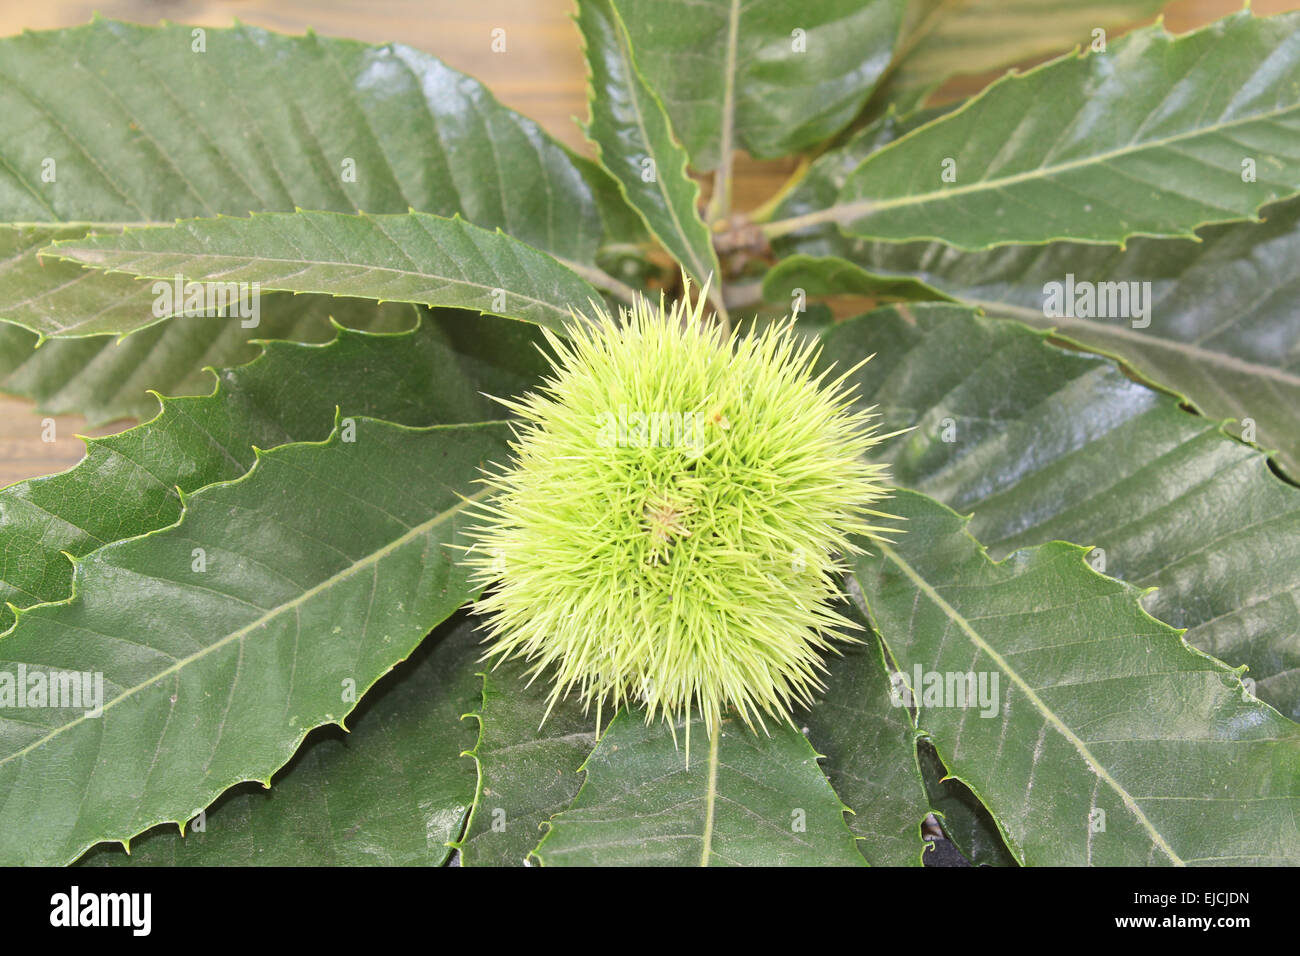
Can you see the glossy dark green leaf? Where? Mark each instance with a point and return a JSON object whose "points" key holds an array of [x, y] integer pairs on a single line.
{"points": [[221, 642], [1157, 136], [744, 799], [1041, 443], [139, 130], [132, 482], [771, 77], [393, 792], [528, 765], [636, 144], [1092, 732], [416, 258], [1219, 324]]}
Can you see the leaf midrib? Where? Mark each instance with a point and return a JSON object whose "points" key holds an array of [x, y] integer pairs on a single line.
{"points": [[269, 615], [124, 254], [1047, 713], [1195, 352], [720, 202], [710, 797]]}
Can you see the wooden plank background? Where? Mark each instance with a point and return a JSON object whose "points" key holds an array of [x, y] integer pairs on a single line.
{"points": [[541, 74]]}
